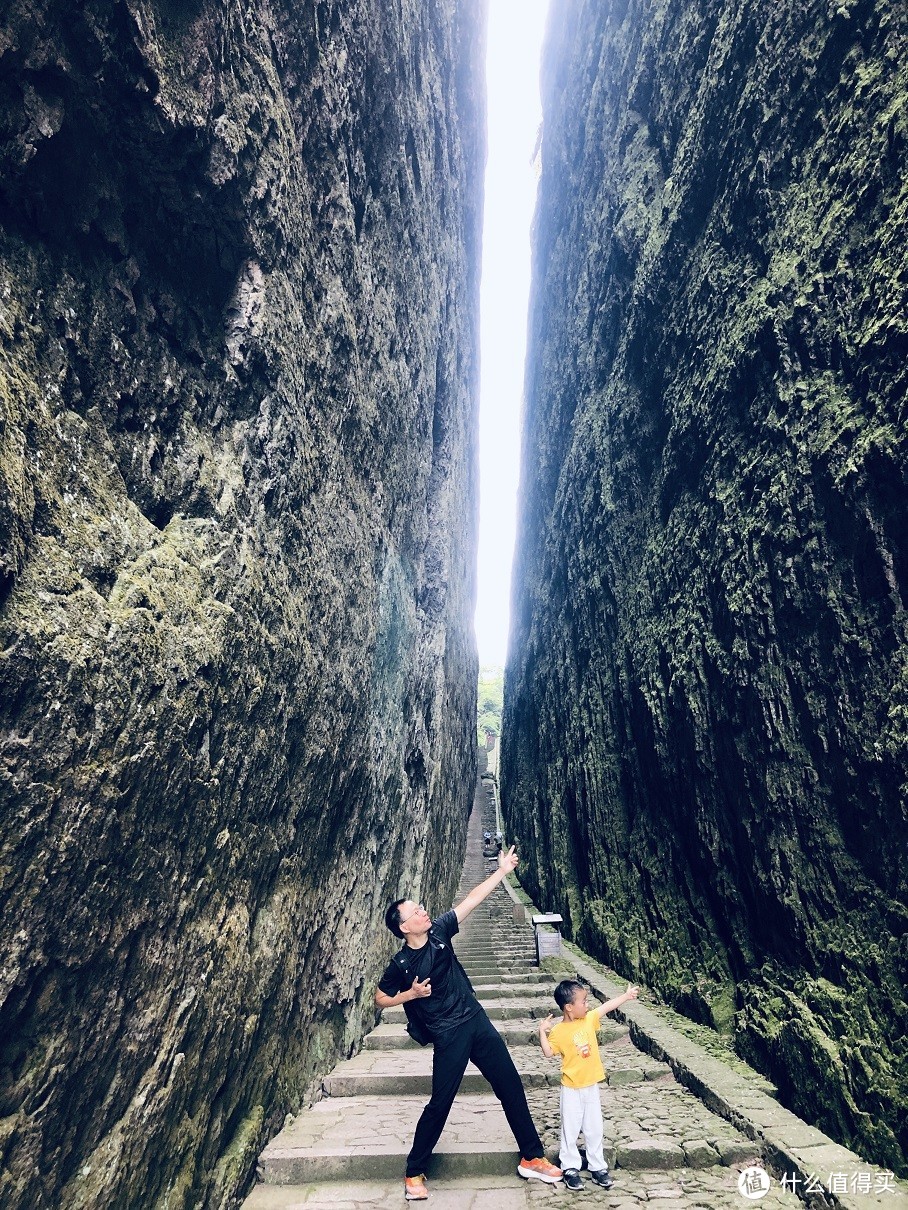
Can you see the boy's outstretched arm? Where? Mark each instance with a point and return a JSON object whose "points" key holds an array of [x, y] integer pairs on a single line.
{"points": [[506, 863], [616, 1001]]}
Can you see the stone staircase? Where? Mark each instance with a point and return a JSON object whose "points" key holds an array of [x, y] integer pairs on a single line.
{"points": [[349, 1149]]}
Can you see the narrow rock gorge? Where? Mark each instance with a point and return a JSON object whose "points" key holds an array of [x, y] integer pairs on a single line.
{"points": [[706, 700], [238, 324]]}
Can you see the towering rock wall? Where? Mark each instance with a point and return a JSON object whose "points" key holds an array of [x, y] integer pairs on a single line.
{"points": [[706, 704], [238, 288]]}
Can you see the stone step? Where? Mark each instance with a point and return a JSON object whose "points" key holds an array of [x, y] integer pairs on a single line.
{"points": [[503, 979], [520, 961], [395, 1037], [497, 1009], [357, 1139], [505, 958], [496, 968], [488, 988], [515, 1033], [409, 1072], [690, 1190], [498, 944], [494, 951], [392, 1084], [522, 941], [525, 974], [493, 935], [522, 949], [455, 1193]]}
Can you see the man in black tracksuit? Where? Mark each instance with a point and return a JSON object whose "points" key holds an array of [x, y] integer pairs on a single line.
{"points": [[427, 977]]}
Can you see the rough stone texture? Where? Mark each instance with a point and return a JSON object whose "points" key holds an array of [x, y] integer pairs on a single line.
{"points": [[706, 703], [238, 287], [709, 1189]]}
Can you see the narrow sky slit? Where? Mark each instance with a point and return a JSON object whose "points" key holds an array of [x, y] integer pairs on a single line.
{"points": [[512, 72]]}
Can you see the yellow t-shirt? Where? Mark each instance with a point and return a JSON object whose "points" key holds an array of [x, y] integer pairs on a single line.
{"points": [[576, 1042]]}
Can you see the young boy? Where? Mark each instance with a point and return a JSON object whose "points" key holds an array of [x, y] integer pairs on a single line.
{"points": [[574, 1039]]}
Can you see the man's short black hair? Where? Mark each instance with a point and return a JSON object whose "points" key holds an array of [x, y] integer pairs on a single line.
{"points": [[566, 990], [392, 917]]}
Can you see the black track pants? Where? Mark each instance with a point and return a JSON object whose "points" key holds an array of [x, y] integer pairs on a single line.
{"points": [[479, 1041]]}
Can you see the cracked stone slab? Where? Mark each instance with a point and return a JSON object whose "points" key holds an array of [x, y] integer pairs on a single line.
{"points": [[651, 1153]]}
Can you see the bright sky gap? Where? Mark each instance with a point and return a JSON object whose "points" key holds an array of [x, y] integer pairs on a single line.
{"points": [[512, 73]]}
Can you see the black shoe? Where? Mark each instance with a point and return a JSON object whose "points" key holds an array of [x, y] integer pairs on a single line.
{"points": [[603, 1179], [571, 1178]]}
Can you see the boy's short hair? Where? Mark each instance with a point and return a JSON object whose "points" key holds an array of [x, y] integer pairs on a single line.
{"points": [[392, 917], [566, 990]]}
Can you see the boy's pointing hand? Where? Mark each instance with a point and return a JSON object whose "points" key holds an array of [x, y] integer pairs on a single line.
{"points": [[421, 990]]}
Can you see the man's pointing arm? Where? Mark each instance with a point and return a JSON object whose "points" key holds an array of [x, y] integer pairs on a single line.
{"points": [[506, 863]]}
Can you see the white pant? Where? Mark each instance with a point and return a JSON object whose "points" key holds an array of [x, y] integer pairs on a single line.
{"points": [[581, 1109]]}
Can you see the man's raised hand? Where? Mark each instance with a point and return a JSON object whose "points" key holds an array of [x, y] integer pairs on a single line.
{"points": [[421, 990], [507, 861]]}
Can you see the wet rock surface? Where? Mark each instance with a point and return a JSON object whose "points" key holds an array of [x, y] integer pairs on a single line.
{"points": [[705, 746], [238, 286]]}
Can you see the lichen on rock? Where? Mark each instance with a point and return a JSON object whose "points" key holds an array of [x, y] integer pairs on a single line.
{"points": [[238, 287], [704, 751]]}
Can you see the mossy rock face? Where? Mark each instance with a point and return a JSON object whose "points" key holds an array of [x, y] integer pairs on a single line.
{"points": [[705, 752], [238, 311]]}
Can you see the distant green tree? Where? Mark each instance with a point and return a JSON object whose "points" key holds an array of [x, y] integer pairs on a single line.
{"points": [[490, 701]]}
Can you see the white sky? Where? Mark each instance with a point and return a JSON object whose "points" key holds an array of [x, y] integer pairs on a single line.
{"points": [[514, 42]]}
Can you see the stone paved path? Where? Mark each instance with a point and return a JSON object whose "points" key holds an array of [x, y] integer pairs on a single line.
{"points": [[666, 1148]]}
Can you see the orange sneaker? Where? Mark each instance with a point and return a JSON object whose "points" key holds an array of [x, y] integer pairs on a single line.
{"points": [[539, 1169], [415, 1188]]}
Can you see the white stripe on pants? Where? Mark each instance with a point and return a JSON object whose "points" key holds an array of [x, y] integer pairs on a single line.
{"points": [[581, 1109]]}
